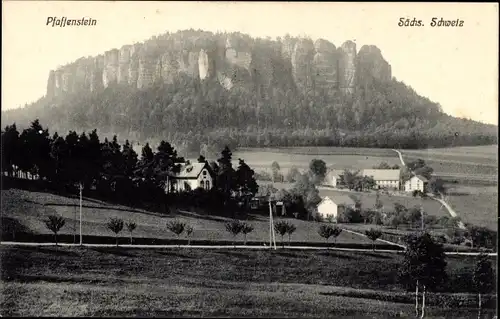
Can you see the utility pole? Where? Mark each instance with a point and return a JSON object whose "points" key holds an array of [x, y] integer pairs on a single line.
{"points": [[422, 217], [272, 237], [81, 189]]}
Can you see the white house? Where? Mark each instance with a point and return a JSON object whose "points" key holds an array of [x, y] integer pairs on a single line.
{"points": [[192, 176], [333, 177], [384, 178], [416, 182], [330, 208]]}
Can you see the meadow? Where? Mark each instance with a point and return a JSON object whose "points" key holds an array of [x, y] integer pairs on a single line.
{"points": [[474, 162], [45, 281], [300, 157], [475, 204], [30, 209]]}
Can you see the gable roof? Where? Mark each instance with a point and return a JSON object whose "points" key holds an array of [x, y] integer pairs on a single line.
{"points": [[339, 199], [420, 177], [192, 170], [382, 174]]}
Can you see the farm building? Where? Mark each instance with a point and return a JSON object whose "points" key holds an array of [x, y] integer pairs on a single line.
{"points": [[332, 207], [384, 178], [416, 182], [192, 176]]}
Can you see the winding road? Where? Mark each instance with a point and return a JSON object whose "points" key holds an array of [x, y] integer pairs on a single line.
{"points": [[400, 157], [445, 204]]}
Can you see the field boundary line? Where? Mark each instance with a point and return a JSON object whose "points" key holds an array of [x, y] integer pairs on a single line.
{"points": [[381, 240]]}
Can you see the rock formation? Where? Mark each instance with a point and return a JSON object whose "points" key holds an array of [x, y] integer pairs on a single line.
{"points": [[302, 64], [347, 67], [371, 65], [234, 59], [325, 65]]}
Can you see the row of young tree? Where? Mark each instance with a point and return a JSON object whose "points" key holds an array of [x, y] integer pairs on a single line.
{"points": [[112, 170]]}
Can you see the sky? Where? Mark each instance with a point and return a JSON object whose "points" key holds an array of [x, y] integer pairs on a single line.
{"points": [[454, 66]]}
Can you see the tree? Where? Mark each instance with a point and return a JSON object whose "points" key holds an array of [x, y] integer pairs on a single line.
{"points": [[245, 183], [293, 174], [373, 234], [281, 228], [116, 226], [189, 232], [131, 227], [202, 159], [383, 165], [350, 178], [226, 174], [317, 168], [176, 227], [423, 264], [483, 278], [425, 171], [481, 236], [54, 224], [290, 230], [10, 149], [436, 186], [327, 231], [414, 165], [275, 168], [246, 229], [234, 227]]}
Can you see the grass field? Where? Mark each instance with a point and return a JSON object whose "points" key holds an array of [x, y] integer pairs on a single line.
{"points": [[334, 157], [132, 282], [479, 162], [31, 208], [475, 204]]}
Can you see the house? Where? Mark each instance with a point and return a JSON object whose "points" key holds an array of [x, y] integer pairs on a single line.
{"points": [[330, 207], [416, 182], [384, 178], [333, 178], [192, 176]]}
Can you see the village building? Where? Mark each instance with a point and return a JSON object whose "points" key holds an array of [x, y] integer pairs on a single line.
{"points": [[192, 176], [384, 178], [416, 182], [333, 206], [333, 178]]}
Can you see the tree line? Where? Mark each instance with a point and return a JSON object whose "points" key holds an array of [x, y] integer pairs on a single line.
{"points": [[114, 171]]}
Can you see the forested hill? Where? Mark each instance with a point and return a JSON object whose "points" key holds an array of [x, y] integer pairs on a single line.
{"points": [[194, 88]]}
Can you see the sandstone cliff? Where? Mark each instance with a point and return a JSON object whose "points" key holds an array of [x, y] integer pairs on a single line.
{"points": [[230, 59]]}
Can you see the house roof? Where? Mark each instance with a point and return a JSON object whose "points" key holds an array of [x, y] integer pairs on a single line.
{"points": [[383, 174], [420, 177], [339, 199], [191, 170]]}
